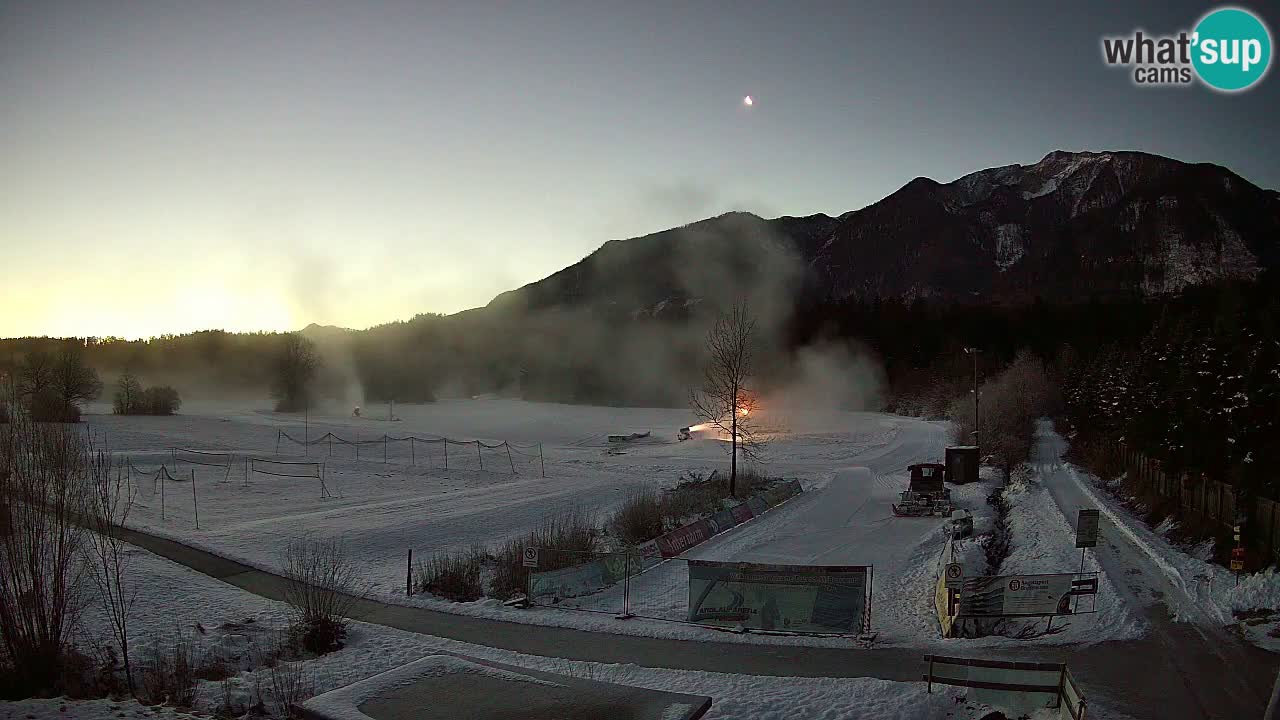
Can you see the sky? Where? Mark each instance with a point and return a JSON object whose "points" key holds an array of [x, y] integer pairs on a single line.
{"points": [[174, 166]]}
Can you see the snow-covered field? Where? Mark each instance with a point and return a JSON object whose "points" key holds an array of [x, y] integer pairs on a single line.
{"points": [[851, 464]]}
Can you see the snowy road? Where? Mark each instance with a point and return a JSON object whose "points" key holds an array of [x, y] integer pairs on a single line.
{"points": [[1186, 667]]}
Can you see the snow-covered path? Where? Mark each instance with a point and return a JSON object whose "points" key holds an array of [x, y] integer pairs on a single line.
{"points": [[1205, 671]]}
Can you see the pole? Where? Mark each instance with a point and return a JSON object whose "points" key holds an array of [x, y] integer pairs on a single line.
{"points": [[413, 455], [161, 473], [446, 452], [357, 444], [195, 506], [479, 456], [306, 425], [513, 462], [542, 462], [384, 448], [330, 444], [278, 432], [1075, 601], [408, 575]]}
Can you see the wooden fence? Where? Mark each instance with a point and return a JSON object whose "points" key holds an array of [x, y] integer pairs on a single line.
{"points": [[1200, 498]]}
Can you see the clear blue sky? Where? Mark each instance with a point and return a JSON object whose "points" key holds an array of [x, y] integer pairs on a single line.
{"points": [[262, 165]]}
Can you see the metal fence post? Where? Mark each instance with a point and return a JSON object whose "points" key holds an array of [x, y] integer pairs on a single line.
{"points": [[408, 575], [195, 506], [541, 461], [384, 448], [413, 456], [445, 442], [479, 456]]}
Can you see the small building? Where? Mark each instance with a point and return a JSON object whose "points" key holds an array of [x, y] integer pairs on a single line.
{"points": [[962, 464]]}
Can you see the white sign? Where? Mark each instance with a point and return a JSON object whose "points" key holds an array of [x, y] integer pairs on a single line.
{"points": [[954, 575], [531, 557]]}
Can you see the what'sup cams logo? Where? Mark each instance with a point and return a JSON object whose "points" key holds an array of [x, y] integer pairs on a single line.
{"points": [[1229, 50]]}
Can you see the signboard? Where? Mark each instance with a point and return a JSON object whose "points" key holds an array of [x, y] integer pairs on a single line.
{"points": [[1087, 529], [741, 512], [1237, 559], [1237, 565], [954, 575], [1016, 595], [531, 557], [681, 539], [797, 598]]}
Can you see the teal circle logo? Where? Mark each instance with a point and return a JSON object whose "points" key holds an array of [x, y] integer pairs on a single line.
{"points": [[1231, 49]]}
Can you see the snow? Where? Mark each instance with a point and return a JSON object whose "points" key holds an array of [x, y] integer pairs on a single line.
{"points": [[1044, 542], [371, 650], [343, 703]]}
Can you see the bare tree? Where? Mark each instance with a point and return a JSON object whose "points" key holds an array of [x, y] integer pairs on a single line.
{"points": [[36, 374], [44, 478], [110, 500], [74, 381], [128, 394], [295, 367], [725, 401], [1014, 399]]}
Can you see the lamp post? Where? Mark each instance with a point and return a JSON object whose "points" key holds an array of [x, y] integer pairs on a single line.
{"points": [[973, 351]]}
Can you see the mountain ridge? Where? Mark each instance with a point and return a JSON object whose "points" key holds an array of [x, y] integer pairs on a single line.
{"points": [[1071, 227]]}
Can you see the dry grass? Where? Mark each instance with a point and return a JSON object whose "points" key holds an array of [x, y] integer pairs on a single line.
{"points": [[453, 575]]}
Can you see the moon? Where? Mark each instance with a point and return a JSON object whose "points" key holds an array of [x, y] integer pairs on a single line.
{"points": [[748, 101]]}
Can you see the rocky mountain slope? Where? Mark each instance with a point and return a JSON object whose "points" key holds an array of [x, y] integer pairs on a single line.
{"points": [[1071, 227]]}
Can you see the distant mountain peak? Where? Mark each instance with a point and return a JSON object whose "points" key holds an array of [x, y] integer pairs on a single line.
{"points": [[1070, 227]]}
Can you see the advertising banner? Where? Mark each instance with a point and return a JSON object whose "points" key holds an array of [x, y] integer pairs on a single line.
{"points": [[741, 512], [758, 505], [795, 598], [681, 539], [1015, 595], [568, 582], [721, 521]]}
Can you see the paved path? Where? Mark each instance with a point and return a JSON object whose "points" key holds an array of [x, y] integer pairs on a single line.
{"points": [[1199, 670]]}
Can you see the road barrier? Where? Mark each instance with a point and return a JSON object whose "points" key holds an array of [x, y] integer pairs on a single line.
{"points": [[1020, 687]]}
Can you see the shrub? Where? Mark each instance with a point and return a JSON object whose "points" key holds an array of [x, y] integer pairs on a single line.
{"points": [[291, 684], [171, 675], [322, 587], [572, 532], [454, 576], [161, 400], [48, 406], [640, 518], [46, 472]]}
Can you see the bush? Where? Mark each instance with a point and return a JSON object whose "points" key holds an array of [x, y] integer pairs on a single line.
{"points": [[640, 518], [454, 576], [46, 473], [48, 406], [161, 400], [646, 515], [171, 676], [322, 587], [131, 399], [572, 532]]}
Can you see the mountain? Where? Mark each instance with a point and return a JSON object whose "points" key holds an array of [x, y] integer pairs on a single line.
{"points": [[1074, 226]]}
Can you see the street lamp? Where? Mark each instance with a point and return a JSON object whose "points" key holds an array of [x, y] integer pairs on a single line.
{"points": [[974, 352]]}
